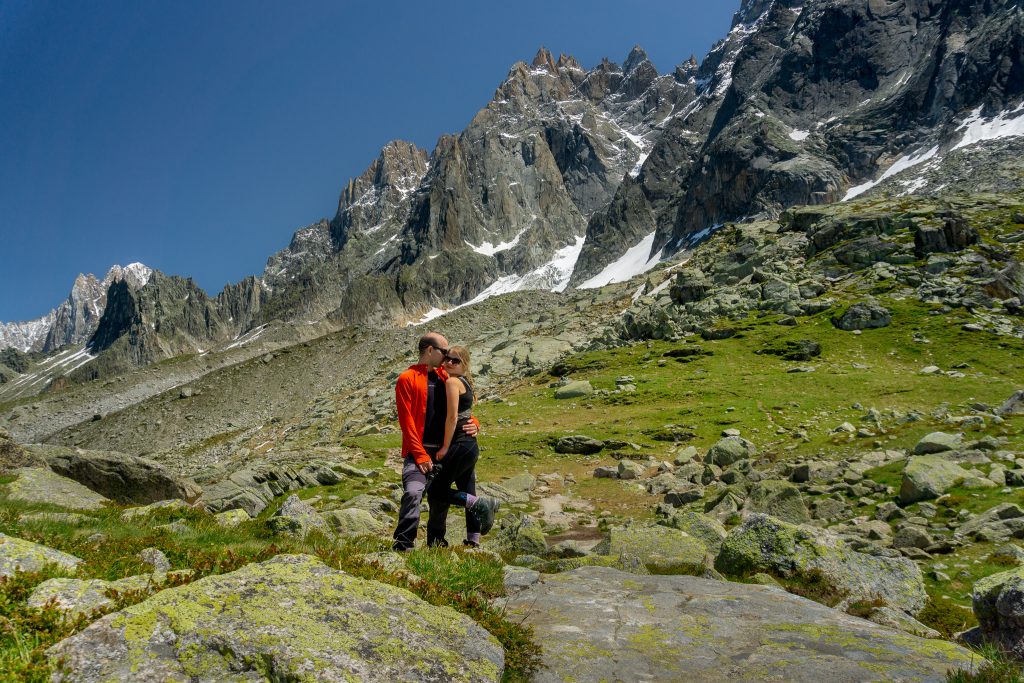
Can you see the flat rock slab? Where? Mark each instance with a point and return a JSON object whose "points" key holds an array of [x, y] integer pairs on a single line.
{"points": [[38, 485], [600, 624], [290, 618]]}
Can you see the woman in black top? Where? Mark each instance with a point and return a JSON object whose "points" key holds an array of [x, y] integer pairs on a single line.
{"points": [[457, 457]]}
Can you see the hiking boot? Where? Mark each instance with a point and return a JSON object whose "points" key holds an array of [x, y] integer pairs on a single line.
{"points": [[484, 510]]}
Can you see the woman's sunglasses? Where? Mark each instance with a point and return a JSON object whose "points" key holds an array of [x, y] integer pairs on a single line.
{"points": [[453, 360]]}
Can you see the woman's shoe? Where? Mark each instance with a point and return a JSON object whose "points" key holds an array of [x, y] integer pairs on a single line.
{"points": [[484, 510]]}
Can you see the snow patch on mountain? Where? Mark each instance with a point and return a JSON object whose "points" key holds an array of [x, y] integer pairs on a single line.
{"points": [[901, 164], [636, 260], [1006, 124]]}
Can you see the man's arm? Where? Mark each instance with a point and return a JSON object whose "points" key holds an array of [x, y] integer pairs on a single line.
{"points": [[407, 421], [472, 427]]}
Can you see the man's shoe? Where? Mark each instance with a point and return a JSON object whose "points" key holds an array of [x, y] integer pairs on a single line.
{"points": [[484, 510]]}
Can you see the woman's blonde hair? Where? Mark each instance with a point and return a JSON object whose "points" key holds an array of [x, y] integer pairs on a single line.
{"points": [[463, 354]]}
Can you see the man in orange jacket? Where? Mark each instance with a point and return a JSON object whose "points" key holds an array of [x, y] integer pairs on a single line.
{"points": [[422, 406]]}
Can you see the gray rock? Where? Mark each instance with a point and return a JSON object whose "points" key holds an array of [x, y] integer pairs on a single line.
{"points": [[605, 472], [629, 469], [703, 527], [863, 316], [998, 523], [938, 442], [121, 477], [661, 549], [682, 495], [779, 499], [762, 543], [578, 389], [353, 522], [231, 518], [19, 555], [518, 535], [729, 450], [579, 444], [155, 558], [910, 536], [288, 624], [1013, 405], [297, 518], [672, 628], [519, 578], [998, 602], [929, 476], [37, 485]]}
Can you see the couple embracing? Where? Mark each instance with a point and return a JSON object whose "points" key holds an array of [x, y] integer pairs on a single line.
{"points": [[439, 449]]}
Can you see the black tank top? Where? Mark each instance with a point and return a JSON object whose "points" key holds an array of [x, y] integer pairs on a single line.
{"points": [[465, 411]]}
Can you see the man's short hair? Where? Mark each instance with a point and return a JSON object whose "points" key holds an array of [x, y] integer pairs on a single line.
{"points": [[429, 339]]}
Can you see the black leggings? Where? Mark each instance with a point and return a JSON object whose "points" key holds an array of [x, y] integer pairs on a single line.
{"points": [[459, 468]]}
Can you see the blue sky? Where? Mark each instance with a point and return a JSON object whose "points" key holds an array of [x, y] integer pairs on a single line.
{"points": [[196, 137]]}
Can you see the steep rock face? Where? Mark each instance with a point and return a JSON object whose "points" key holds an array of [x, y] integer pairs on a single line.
{"points": [[804, 98], [492, 207], [166, 317], [76, 318]]}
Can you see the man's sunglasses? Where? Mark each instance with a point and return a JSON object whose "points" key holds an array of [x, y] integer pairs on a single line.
{"points": [[454, 360], [444, 352]]}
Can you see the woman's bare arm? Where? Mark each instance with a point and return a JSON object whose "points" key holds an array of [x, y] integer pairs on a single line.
{"points": [[451, 388]]}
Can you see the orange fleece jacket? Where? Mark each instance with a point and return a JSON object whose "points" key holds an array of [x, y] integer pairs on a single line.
{"points": [[411, 401]]}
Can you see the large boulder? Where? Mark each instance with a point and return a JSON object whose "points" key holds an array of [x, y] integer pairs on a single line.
{"points": [[779, 499], [599, 624], [998, 602], [353, 522], [1013, 405], [729, 450], [290, 618], [938, 442], [998, 523], [579, 389], [518, 535], [579, 444], [929, 476], [19, 555], [662, 549], [704, 527], [865, 315], [37, 485], [121, 477], [804, 553]]}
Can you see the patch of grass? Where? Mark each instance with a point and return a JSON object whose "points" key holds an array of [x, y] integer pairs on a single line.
{"points": [[946, 617], [996, 667], [813, 585]]}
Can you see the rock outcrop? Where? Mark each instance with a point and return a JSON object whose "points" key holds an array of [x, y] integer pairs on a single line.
{"points": [[297, 619], [603, 624]]}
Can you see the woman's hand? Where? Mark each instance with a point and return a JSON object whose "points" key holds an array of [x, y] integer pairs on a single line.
{"points": [[471, 428], [443, 451]]}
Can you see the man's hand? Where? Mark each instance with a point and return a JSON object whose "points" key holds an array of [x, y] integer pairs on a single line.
{"points": [[441, 453], [471, 428], [425, 467]]}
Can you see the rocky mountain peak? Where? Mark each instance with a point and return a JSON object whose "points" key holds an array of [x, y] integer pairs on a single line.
{"points": [[636, 57], [568, 62], [544, 58]]}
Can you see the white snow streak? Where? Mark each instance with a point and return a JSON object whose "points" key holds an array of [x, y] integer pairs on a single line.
{"points": [[902, 164], [799, 135], [488, 249], [1007, 124], [635, 261]]}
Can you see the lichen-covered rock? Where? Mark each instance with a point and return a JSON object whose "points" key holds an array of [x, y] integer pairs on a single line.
{"points": [[353, 522], [730, 450], [708, 529], [579, 389], [232, 518], [662, 549], [37, 485], [599, 624], [938, 442], [763, 543], [172, 505], [929, 476], [121, 477], [289, 618], [518, 535], [998, 602], [998, 523], [19, 555], [297, 518], [82, 596], [779, 499]]}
